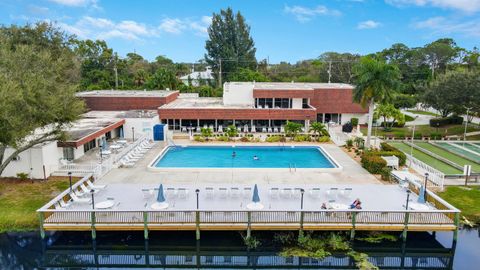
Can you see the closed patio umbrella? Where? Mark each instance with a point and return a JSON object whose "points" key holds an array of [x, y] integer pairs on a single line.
{"points": [[255, 204], [161, 201], [121, 133]]}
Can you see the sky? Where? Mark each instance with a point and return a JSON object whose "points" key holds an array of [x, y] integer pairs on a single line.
{"points": [[282, 30]]}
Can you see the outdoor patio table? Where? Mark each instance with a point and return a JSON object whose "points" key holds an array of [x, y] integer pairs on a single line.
{"points": [[105, 204], [419, 206], [339, 206]]}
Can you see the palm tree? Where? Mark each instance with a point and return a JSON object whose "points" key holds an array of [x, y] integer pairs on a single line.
{"points": [[318, 129], [376, 81]]}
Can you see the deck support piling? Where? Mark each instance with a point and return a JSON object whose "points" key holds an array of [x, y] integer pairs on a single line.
{"points": [[249, 224], [197, 225], [41, 218], [147, 253], [94, 231], [145, 225], [456, 221], [302, 216], [405, 227], [352, 231]]}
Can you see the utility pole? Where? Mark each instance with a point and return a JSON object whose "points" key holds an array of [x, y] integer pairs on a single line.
{"points": [[329, 71], [116, 72], [220, 73]]}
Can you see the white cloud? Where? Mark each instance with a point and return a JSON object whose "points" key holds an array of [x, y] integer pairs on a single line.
{"points": [[172, 26], [76, 3], [304, 14], [101, 28], [178, 26], [368, 24], [442, 26], [468, 6]]}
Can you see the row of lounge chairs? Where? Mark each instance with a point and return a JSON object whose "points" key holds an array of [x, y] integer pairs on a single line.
{"points": [[78, 195], [286, 193], [136, 154], [232, 192], [244, 129]]}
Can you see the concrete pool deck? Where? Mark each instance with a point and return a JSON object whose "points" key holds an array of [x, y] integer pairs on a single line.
{"points": [[352, 172]]}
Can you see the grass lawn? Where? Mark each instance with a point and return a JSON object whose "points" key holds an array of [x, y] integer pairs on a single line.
{"points": [[427, 159], [423, 113], [424, 130], [19, 201], [452, 157], [467, 200]]}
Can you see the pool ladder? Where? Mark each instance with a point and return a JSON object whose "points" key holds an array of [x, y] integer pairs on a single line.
{"points": [[292, 167]]}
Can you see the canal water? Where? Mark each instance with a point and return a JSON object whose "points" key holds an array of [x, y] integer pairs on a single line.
{"points": [[175, 250]]}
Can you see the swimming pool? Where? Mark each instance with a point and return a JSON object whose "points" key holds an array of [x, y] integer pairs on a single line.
{"points": [[222, 157]]}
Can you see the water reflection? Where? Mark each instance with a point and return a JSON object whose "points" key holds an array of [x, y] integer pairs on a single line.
{"points": [[215, 250]]}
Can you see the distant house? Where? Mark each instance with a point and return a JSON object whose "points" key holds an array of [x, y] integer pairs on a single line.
{"points": [[195, 78]]}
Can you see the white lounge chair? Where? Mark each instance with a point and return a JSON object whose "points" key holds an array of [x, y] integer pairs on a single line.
{"points": [[270, 130], [234, 192], [274, 193], [247, 192], [264, 130], [127, 164], [223, 192], [253, 129], [93, 186], [220, 129], [210, 193], [75, 198], [86, 190], [275, 130], [287, 192], [182, 193], [282, 129], [64, 204], [184, 129], [315, 193], [346, 192]]}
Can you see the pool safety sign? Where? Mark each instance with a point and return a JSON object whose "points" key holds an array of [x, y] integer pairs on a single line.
{"points": [[467, 170]]}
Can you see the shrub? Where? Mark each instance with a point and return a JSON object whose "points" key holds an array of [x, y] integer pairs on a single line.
{"points": [[198, 138], [435, 136], [418, 136], [244, 139], [451, 120], [386, 174], [323, 139], [373, 163], [223, 139], [408, 118], [274, 138], [231, 131], [349, 143], [354, 121], [22, 176], [302, 138]]}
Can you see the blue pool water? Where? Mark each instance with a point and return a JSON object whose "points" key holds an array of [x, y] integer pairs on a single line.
{"points": [[221, 157]]}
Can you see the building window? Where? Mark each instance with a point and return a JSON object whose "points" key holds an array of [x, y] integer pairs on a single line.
{"points": [[284, 103], [108, 135], [305, 103], [89, 145], [264, 103], [68, 153]]}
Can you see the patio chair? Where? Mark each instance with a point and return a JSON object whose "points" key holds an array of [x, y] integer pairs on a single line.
{"points": [[171, 193], [199, 129], [86, 190], [275, 129], [274, 193], [91, 185], [75, 198], [211, 128], [286, 192], [315, 193], [270, 130], [64, 204], [147, 194], [234, 192], [127, 164], [247, 192], [184, 129], [182, 193], [332, 193], [220, 129], [296, 192], [223, 192], [253, 129], [346, 192], [264, 130], [58, 206], [79, 193], [210, 192]]}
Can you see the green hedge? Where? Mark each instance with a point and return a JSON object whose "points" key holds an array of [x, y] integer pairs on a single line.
{"points": [[373, 163], [451, 120], [388, 150], [354, 121]]}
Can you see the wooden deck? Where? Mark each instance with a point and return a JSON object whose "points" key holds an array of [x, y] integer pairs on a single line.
{"points": [[443, 218]]}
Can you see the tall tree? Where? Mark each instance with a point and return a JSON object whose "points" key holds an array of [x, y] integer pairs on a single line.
{"points": [[376, 82], [230, 44], [37, 88], [439, 54]]}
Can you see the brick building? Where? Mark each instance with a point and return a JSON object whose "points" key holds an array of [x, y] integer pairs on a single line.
{"points": [[264, 106]]}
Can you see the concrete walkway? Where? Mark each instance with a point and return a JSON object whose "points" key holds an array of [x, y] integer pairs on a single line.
{"points": [[352, 173]]}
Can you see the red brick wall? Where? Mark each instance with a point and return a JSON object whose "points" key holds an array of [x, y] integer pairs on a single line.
{"points": [[237, 114], [282, 93], [335, 101], [101, 103]]}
